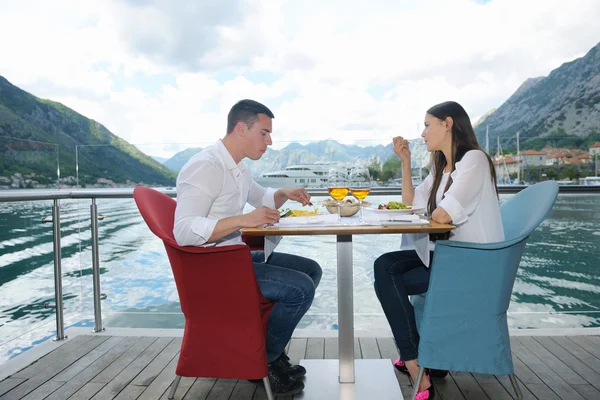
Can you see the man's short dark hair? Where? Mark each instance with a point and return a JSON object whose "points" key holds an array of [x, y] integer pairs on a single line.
{"points": [[246, 111]]}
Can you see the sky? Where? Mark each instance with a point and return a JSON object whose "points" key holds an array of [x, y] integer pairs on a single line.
{"points": [[163, 74]]}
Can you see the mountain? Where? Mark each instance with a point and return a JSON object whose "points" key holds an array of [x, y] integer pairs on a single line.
{"points": [[159, 159], [28, 124], [484, 117], [322, 151], [178, 160], [567, 101]]}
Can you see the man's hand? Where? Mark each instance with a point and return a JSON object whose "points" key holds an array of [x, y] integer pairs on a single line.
{"points": [[298, 194], [261, 216]]}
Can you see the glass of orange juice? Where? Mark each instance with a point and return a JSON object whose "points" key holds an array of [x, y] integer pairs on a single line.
{"points": [[360, 185], [338, 186]]}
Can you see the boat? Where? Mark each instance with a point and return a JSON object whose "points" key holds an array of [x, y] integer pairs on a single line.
{"points": [[590, 180], [300, 175]]}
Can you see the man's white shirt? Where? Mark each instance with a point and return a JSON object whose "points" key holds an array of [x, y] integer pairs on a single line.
{"points": [[210, 187]]}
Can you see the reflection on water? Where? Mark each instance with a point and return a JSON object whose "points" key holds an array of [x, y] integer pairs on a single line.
{"points": [[557, 285]]}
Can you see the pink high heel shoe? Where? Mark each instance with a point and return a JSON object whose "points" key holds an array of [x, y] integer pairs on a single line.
{"points": [[435, 373]]}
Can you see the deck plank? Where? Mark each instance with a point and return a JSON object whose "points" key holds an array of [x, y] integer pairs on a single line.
{"points": [[573, 362], [123, 360], [10, 383], [106, 367], [549, 377], [331, 348], [43, 391], [130, 392], [184, 386], [162, 381], [369, 348], [200, 389], [587, 391], [85, 361], [590, 343], [579, 352], [468, 385], [53, 369], [85, 376], [505, 382], [552, 362], [357, 350], [222, 389], [492, 387], [158, 364], [315, 349], [119, 382], [297, 350], [447, 389], [87, 391], [243, 390], [51, 357]]}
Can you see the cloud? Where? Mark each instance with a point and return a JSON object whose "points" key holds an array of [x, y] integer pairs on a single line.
{"points": [[162, 72]]}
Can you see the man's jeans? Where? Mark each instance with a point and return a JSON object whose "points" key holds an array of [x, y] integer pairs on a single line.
{"points": [[290, 281]]}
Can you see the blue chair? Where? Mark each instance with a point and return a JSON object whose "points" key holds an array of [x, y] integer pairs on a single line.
{"points": [[462, 319]]}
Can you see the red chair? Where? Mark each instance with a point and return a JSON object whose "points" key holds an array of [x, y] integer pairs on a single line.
{"points": [[225, 313]]}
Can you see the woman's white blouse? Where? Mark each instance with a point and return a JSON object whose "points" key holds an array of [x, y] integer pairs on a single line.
{"points": [[471, 201]]}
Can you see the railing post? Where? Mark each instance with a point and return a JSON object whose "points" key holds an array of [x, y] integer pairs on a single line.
{"points": [[96, 269], [60, 328]]}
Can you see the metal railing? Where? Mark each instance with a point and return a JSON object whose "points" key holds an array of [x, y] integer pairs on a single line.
{"points": [[94, 194], [56, 196]]}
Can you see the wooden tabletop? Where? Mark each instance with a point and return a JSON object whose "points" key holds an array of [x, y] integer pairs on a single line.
{"points": [[433, 227]]}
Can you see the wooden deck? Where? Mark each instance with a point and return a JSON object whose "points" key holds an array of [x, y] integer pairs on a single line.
{"points": [[111, 367]]}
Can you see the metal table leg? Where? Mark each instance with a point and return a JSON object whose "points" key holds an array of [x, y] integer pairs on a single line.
{"points": [[345, 308]]}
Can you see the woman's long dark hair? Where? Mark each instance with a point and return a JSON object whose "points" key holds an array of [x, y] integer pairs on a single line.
{"points": [[463, 140]]}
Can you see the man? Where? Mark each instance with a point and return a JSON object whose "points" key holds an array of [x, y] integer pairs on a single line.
{"points": [[212, 189]]}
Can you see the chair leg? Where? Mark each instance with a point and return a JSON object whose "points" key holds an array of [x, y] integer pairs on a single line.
{"points": [[417, 383], [268, 388], [515, 385], [174, 387]]}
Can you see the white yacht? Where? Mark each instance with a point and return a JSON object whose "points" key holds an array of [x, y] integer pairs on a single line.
{"points": [[301, 175]]}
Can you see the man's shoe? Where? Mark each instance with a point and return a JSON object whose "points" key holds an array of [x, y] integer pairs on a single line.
{"points": [[282, 384], [295, 371]]}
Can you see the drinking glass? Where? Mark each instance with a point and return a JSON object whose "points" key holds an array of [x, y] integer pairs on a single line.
{"points": [[338, 186], [360, 185]]}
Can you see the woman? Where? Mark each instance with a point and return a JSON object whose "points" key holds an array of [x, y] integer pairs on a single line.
{"points": [[460, 189]]}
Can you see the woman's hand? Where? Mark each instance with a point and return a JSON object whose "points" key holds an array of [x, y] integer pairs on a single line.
{"points": [[401, 149], [440, 216]]}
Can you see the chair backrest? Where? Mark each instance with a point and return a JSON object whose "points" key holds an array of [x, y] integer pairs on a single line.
{"points": [[526, 210], [158, 210]]}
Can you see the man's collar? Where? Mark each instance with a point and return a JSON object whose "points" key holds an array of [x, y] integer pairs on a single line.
{"points": [[229, 161]]}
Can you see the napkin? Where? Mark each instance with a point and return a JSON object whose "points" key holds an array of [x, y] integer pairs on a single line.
{"points": [[270, 243], [392, 217], [325, 219]]}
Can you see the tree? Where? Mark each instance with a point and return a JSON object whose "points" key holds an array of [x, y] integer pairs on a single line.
{"points": [[374, 170], [391, 169], [570, 172]]}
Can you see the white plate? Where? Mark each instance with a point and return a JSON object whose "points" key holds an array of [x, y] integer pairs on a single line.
{"points": [[397, 212]]}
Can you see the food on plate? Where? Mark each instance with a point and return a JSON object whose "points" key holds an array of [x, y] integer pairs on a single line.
{"points": [[348, 207], [393, 205], [344, 203], [297, 213]]}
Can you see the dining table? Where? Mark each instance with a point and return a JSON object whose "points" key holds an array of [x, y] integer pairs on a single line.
{"points": [[347, 378]]}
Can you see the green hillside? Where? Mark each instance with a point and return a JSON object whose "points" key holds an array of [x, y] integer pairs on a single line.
{"points": [[34, 122]]}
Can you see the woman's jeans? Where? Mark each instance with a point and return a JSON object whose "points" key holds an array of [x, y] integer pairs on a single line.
{"points": [[397, 275], [290, 281]]}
